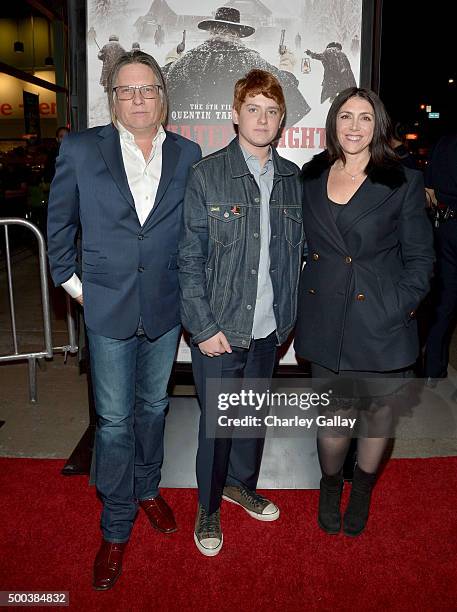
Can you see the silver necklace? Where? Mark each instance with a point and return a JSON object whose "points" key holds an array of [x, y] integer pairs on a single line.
{"points": [[353, 176]]}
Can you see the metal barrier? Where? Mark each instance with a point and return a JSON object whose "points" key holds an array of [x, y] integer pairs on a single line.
{"points": [[48, 350]]}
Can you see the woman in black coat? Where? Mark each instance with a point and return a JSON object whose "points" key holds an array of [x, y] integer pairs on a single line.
{"points": [[370, 258]]}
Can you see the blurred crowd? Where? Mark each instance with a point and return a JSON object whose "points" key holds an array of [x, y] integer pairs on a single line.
{"points": [[26, 172]]}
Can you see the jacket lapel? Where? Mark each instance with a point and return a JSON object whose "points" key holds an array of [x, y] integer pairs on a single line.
{"points": [[170, 157], [366, 199], [110, 148], [372, 194]]}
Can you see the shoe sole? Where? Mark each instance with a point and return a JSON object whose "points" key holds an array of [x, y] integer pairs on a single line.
{"points": [[353, 535], [329, 531], [259, 517], [162, 530], [208, 552], [107, 588]]}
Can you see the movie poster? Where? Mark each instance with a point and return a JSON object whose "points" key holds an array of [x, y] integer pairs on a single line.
{"points": [[312, 46]]}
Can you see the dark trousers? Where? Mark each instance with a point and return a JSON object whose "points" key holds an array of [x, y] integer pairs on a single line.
{"points": [[231, 461], [437, 348]]}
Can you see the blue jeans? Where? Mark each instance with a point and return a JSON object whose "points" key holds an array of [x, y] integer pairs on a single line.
{"points": [[130, 379]]}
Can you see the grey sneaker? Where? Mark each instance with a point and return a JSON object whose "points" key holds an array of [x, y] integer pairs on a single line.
{"points": [[208, 534], [255, 505]]}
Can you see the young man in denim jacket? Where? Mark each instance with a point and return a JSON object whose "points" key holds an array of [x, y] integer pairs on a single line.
{"points": [[239, 263]]}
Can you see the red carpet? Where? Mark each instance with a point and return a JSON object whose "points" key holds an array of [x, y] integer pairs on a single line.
{"points": [[406, 560]]}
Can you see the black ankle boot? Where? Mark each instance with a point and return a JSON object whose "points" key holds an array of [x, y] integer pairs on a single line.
{"points": [[356, 515], [329, 517]]}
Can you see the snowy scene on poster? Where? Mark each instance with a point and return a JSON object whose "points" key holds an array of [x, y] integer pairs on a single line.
{"points": [[312, 46]]}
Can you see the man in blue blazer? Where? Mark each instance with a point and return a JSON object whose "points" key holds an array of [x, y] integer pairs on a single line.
{"points": [[123, 184]]}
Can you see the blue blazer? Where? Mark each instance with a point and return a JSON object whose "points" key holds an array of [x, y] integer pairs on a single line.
{"points": [[128, 270]]}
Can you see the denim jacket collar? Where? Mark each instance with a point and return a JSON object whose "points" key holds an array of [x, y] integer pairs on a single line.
{"points": [[239, 167]]}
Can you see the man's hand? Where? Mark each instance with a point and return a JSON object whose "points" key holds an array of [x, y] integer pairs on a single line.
{"points": [[431, 197], [79, 299], [214, 346]]}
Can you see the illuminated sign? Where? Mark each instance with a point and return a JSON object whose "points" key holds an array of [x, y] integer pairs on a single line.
{"points": [[11, 96]]}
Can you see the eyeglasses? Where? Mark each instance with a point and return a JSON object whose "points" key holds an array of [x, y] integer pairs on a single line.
{"points": [[127, 92]]}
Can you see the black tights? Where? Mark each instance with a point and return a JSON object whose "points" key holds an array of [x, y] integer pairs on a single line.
{"points": [[374, 420], [373, 424], [332, 453]]}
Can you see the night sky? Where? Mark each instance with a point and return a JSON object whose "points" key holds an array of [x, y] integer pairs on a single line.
{"points": [[417, 59]]}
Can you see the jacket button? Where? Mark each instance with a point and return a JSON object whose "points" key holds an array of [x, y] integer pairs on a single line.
{"points": [[348, 259], [141, 269], [140, 237], [412, 314], [315, 256], [226, 215], [249, 307], [256, 235], [312, 291], [360, 297], [253, 271]]}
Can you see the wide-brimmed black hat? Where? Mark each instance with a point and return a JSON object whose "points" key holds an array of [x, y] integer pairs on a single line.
{"points": [[230, 18]]}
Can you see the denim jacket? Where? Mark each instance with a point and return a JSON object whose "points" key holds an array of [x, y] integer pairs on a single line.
{"points": [[219, 248]]}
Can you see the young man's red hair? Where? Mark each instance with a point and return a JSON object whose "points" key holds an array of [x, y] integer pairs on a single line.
{"points": [[258, 82]]}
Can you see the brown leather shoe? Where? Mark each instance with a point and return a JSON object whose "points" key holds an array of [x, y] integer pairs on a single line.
{"points": [[160, 514], [108, 565]]}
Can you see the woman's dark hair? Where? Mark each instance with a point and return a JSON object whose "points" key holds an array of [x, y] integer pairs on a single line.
{"points": [[380, 149]]}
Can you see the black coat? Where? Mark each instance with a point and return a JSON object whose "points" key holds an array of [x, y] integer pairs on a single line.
{"points": [[366, 273], [208, 73]]}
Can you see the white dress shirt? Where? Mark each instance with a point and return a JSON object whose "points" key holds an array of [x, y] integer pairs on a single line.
{"points": [[143, 177]]}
